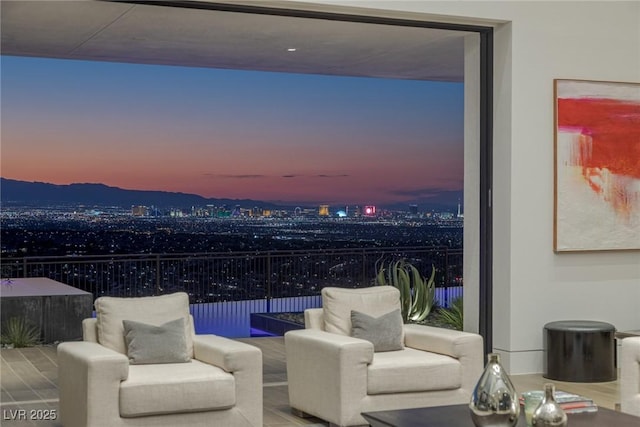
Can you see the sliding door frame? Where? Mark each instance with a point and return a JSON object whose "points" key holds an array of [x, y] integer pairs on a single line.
{"points": [[485, 324]]}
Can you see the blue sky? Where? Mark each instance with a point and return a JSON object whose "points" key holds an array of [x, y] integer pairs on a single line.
{"points": [[228, 133]]}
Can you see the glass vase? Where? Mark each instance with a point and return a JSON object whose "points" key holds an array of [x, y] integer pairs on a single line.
{"points": [[549, 413], [494, 401]]}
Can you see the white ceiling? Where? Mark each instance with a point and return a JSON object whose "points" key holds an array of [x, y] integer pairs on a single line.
{"points": [[153, 34]]}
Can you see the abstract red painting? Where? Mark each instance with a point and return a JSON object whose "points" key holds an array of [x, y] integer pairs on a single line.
{"points": [[597, 165]]}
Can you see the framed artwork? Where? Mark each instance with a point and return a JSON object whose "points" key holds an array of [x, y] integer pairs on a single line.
{"points": [[597, 165]]}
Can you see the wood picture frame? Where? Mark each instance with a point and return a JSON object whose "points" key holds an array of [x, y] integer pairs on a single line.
{"points": [[597, 165]]}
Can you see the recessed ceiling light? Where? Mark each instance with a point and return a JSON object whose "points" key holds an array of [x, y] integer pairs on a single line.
{"points": [[291, 49]]}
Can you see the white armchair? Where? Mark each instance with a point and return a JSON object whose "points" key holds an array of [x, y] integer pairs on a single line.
{"points": [[335, 376], [630, 376], [109, 379]]}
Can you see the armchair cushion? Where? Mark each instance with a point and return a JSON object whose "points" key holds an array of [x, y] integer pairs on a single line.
{"points": [[337, 304], [385, 332], [412, 370], [111, 311], [176, 388], [156, 344]]}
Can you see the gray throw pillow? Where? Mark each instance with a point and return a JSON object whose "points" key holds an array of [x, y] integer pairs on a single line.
{"points": [[385, 332], [156, 344]]}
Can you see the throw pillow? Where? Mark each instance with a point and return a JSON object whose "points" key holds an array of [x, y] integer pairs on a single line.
{"points": [[337, 304], [111, 311], [385, 332], [156, 344]]}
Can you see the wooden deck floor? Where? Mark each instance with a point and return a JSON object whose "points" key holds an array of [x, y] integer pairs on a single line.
{"points": [[29, 381]]}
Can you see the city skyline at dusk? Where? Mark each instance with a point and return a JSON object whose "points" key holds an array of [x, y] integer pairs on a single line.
{"points": [[275, 137]]}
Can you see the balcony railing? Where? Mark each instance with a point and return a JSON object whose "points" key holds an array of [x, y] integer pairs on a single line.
{"points": [[264, 281]]}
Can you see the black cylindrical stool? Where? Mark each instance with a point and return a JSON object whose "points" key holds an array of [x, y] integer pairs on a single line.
{"points": [[579, 351]]}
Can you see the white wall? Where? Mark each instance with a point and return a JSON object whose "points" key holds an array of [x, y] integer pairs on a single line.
{"points": [[536, 42]]}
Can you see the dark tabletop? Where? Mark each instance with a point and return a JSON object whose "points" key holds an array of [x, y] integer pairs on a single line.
{"points": [[458, 416]]}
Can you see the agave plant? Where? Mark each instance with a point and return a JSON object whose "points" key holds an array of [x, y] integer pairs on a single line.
{"points": [[417, 293], [452, 316], [19, 332]]}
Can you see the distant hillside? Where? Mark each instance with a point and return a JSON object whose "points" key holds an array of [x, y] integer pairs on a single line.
{"points": [[15, 192], [24, 193]]}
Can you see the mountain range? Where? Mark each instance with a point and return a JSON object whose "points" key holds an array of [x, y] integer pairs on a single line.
{"points": [[25, 193]]}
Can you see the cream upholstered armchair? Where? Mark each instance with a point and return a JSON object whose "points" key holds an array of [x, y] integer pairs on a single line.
{"points": [[356, 356], [630, 376], [141, 364]]}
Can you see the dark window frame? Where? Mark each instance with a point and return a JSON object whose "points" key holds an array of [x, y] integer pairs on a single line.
{"points": [[485, 323]]}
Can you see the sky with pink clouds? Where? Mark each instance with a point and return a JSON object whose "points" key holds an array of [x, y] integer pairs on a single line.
{"points": [[230, 134]]}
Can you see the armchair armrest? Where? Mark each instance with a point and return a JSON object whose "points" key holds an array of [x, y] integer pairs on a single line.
{"points": [[327, 373], [441, 340], [226, 353], [89, 377], [244, 361], [630, 376], [465, 346]]}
